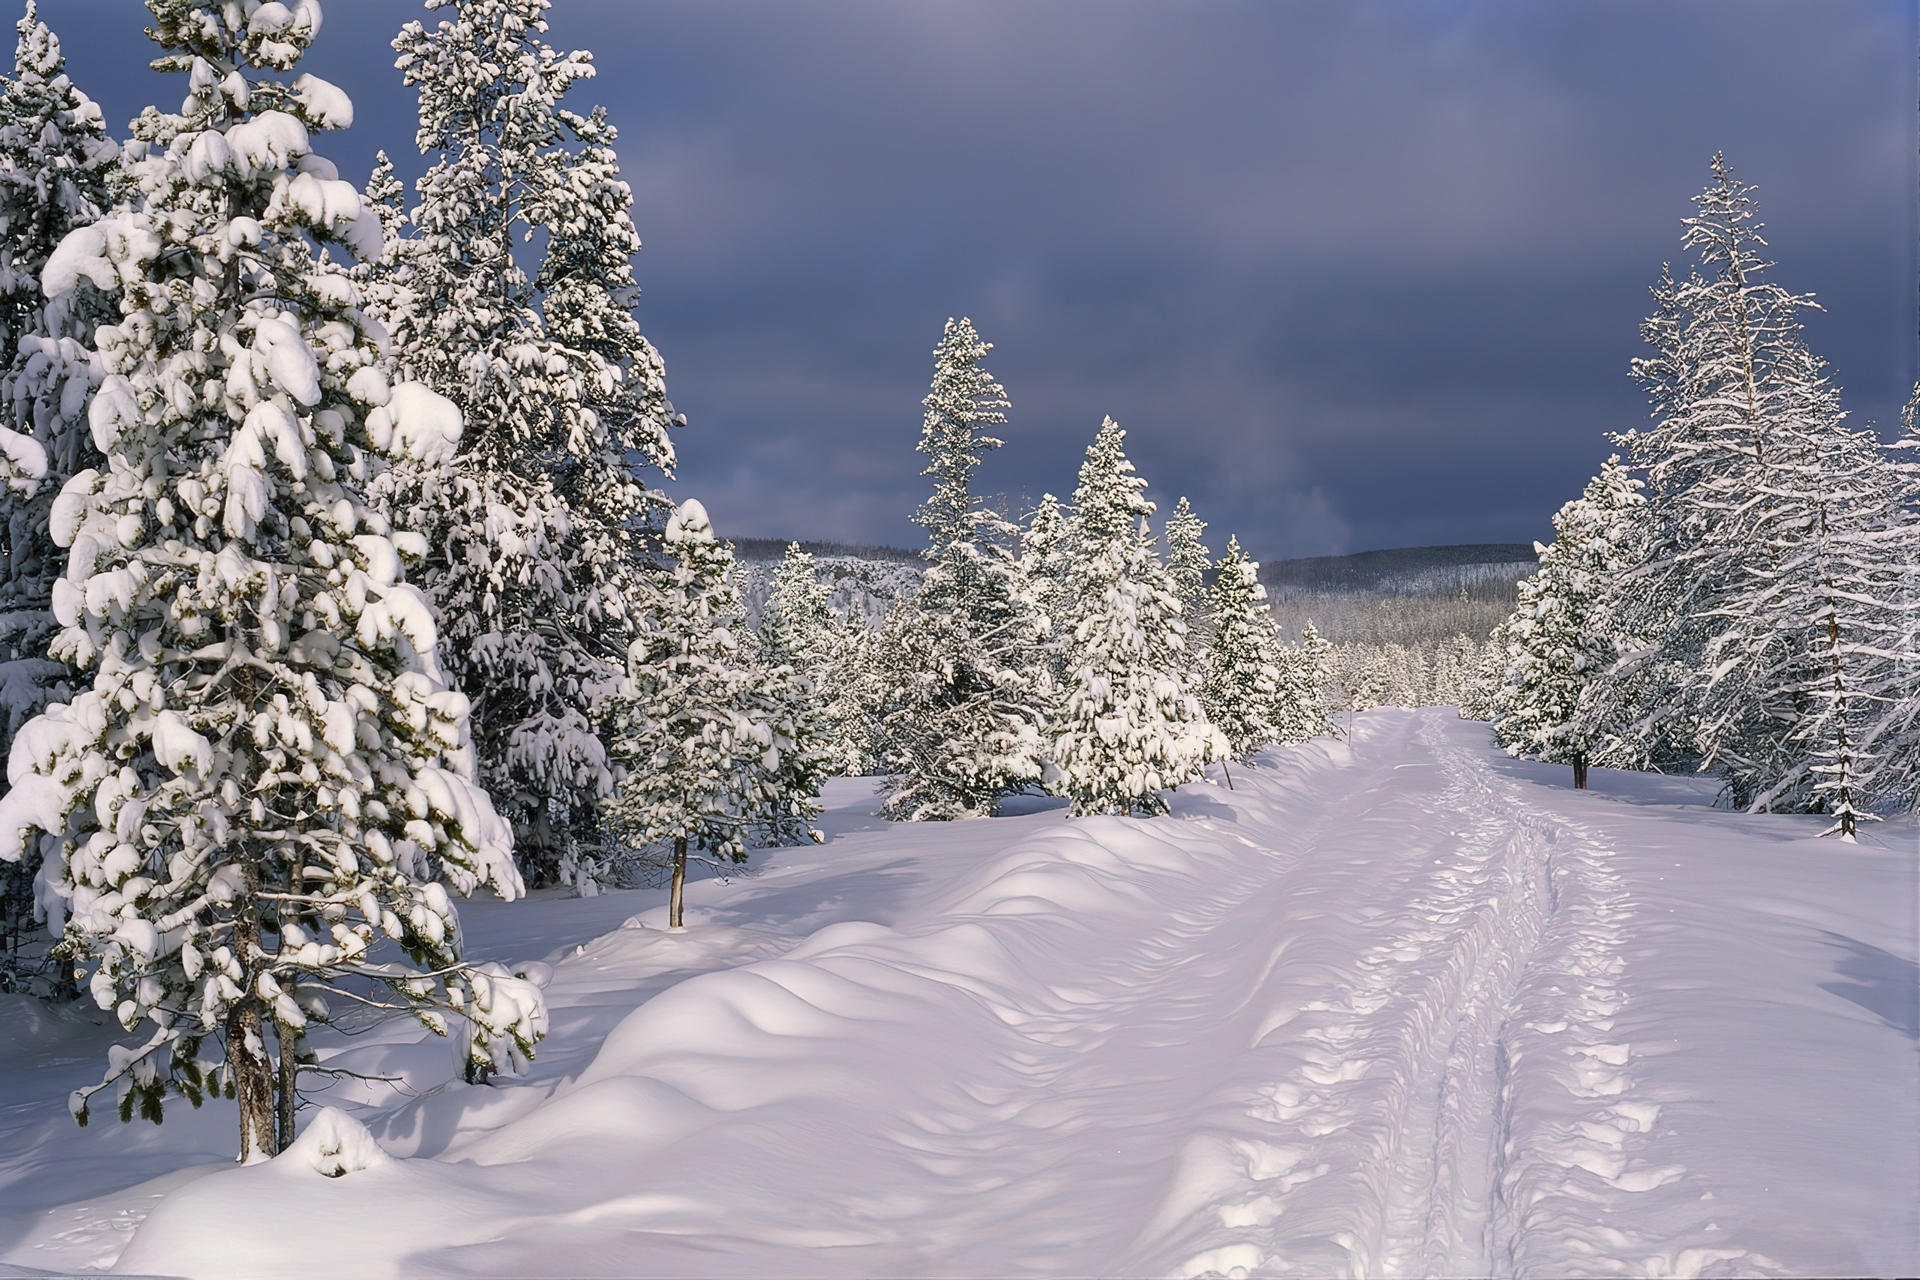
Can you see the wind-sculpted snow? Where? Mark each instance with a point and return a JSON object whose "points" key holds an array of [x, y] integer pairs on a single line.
{"points": [[1403, 1008]]}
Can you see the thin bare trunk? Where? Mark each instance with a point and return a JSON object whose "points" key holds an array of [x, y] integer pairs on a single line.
{"points": [[246, 1034], [1229, 773], [289, 1038], [677, 898], [1580, 772]]}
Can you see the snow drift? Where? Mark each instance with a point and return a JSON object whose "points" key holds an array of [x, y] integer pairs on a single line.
{"points": [[1400, 1008]]}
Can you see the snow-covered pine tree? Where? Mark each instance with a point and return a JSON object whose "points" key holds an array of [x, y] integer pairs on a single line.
{"points": [[1723, 342], [1241, 683], [800, 629], [265, 778], [714, 752], [531, 565], [1046, 546], [1129, 729], [1815, 614], [964, 679], [1896, 735], [1188, 567], [1300, 698], [1481, 685], [57, 167], [1356, 680], [1560, 637]]}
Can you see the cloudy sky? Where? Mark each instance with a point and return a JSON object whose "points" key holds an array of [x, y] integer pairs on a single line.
{"points": [[1352, 275]]}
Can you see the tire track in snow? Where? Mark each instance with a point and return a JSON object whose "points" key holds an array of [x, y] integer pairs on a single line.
{"points": [[1403, 1086]]}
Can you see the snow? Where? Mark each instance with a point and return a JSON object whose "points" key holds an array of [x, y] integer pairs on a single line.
{"points": [[1399, 1007], [271, 140], [177, 747], [119, 243], [416, 422], [327, 104], [23, 462]]}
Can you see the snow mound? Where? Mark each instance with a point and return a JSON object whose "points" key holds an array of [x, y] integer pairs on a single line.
{"points": [[1401, 1006], [334, 1145]]}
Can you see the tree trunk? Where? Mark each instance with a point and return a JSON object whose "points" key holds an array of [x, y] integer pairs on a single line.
{"points": [[289, 1038], [677, 898], [1229, 774], [1580, 771], [246, 1031]]}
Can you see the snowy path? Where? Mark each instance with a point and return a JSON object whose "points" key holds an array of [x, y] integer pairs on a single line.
{"points": [[1404, 1009]]}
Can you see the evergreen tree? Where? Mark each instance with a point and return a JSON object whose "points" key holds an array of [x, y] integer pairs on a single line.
{"points": [[800, 629], [1766, 606], [1487, 676], [1187, 566], [1356, 681], [1241, 685], [1817, 613], [1300, 698], [1130, 729], [715, 752], [964, 680], [1722, 374], [266, 777], [1895, 735], [1560, 637], [57, 170], [532, 563], [1046, 559]]}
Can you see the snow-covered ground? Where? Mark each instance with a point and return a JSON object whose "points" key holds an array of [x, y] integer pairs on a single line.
{"points": [[1401, 1008]]}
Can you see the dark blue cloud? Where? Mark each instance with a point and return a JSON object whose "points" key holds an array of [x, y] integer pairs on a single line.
{"points": [[1352, 275]]}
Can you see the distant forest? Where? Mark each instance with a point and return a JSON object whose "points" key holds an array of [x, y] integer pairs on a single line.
{"points": [[1406, 569]]}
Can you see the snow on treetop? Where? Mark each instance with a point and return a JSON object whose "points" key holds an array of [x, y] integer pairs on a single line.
{"points": [[689, 523]]}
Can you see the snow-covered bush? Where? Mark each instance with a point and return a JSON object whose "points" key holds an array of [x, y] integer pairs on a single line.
{"points": [[267, 777]]}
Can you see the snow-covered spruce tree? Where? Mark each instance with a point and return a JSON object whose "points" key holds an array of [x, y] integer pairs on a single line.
{"points": [[1188, 567], [1046, 560], [1129, 728], [57, 167], [531, 566], [265, 777], [800, 629], [1560, 637], [1356, 680], [1723, 344], [1897, 733], [1480, 687], [714, 751], [1300, 697], [1240, 685], [963, 677], [1816, 613]]}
